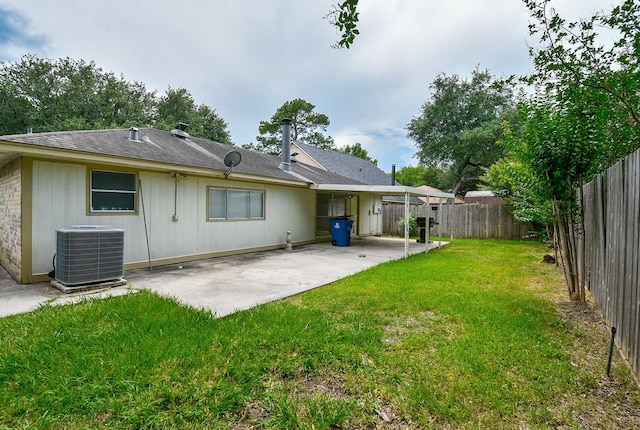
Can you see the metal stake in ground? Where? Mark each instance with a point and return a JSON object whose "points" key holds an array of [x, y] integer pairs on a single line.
{"points": [[613, 336]]}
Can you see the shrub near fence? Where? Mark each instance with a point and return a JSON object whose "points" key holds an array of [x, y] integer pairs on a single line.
{"points": [[467, 221], [611, 207]]}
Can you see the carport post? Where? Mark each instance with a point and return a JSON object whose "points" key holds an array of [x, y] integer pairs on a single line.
{"points": [[406, 224], [427, 227], [440, 222], [452, 204]]}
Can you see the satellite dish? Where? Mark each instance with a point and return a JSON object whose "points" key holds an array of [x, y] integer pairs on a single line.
{"points": [[231, 160]]}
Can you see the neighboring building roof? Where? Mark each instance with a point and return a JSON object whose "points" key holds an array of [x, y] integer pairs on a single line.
{"points": [[436, 200], [163, 147], [482, 197]]}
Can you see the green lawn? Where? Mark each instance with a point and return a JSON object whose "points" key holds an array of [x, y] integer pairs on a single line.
{"points": [[468, 336]]}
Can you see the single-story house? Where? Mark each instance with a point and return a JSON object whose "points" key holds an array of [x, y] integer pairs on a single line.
{"points": [[173, 195]]}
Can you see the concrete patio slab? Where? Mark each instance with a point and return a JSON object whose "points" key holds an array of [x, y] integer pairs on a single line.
{"points": [[225, 285]]}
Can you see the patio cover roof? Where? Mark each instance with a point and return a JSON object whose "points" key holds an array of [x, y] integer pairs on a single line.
{"points": [[387, 190], [390, 190]]}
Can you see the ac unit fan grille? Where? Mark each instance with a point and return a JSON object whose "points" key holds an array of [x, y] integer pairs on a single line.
{"points": [[89, 254]]}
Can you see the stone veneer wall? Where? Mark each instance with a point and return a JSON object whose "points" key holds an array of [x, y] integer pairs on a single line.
{"points": [[11, 218]]}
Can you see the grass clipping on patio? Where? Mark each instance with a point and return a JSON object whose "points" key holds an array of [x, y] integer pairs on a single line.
{"points": [[475, 335]]}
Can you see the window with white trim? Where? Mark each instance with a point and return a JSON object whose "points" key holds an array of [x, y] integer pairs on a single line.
{"points": [[113, 191], [235, 204]]}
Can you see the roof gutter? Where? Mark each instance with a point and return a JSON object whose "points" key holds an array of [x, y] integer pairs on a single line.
{"points": [[387, 190], [81, 157]]}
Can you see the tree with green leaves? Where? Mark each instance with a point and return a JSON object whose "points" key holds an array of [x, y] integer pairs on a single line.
{"points": [[344, 16], [15, 110], [557, 149], [177, 105], [527, 196], [582, 118], [595, 85], [572, 54], [460, 125], [307, 126], [357, 151], [416, 176], [69, 94]]}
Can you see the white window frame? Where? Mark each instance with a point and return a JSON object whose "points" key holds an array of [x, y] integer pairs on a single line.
{"points": [[113, 190], [253, 197]]}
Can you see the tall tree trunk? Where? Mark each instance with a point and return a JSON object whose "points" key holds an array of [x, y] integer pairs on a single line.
{"points": [[461, 181], [565, 224], [567, 251]]}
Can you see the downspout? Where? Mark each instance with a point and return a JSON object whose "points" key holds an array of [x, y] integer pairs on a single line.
{"points": [[176, 176], [175, 196], [175, 199], [286, 145]]}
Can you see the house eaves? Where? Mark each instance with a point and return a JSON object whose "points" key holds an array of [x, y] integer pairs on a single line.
{"points": [[9, 151], [159, 151]]}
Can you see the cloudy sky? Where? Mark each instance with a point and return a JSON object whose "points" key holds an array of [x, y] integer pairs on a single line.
{"points": [[245, 58]]}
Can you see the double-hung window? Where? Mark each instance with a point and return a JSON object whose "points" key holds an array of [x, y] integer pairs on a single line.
{"points": [[235, 204], [113, 191]]}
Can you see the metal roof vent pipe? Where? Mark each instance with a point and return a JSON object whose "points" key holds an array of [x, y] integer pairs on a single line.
{"points": [[286, 145], [133, 134], [393, 174], [181, 130]]}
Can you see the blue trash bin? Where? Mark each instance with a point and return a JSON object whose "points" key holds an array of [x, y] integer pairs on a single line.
{"points": [[341, 231]]}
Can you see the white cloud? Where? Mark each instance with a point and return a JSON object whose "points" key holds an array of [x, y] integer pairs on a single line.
{"points": [[246, 58], [16, 34]]}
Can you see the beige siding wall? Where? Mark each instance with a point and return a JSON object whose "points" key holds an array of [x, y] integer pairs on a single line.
{"points": [[60, 199], [11, 218], [302, 157]]}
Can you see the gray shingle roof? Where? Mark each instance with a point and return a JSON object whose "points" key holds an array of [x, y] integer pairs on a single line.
{"points": [[164, 147], [353, 167], [347, 165]]}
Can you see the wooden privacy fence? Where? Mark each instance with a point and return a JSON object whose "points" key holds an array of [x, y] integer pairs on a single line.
{"points": [[393, 213], [611, 246], [466, 221]]}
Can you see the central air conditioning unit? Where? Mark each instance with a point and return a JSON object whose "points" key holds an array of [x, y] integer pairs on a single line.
{"points": [[88, 254]]}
